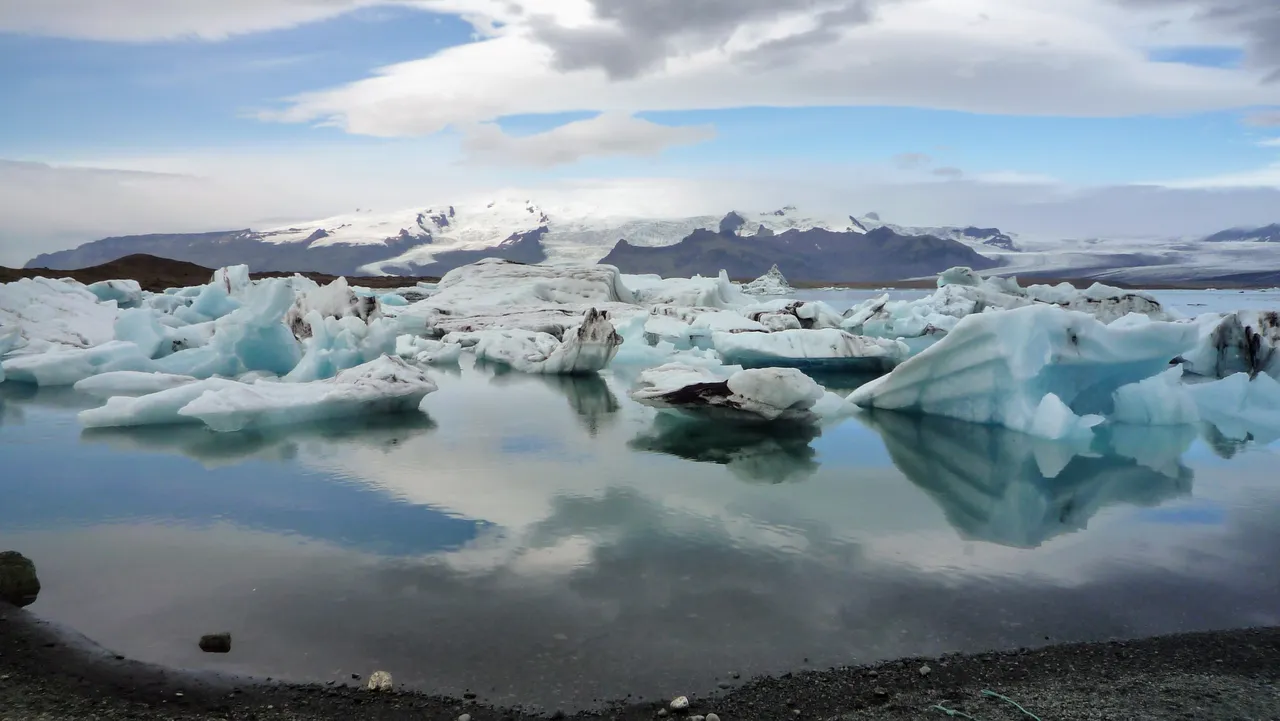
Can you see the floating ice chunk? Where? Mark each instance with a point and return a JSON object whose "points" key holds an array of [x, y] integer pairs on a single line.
{"points": [[1054, 420], [771, 283], [126, 293], [335, 300], [1239, 407], [1160, 400], [160, 408], [586, 348], [66, 367], [393, 299], [658, 328], [1244, 341], [424, 350], [385, 385], [725, 321], [718, 292], [766, 394], [959, 276], [997, 368], [130, 383], [164, 302], [54, 315], [499, 282], [339, 343], [828, 349], [253, 337]]}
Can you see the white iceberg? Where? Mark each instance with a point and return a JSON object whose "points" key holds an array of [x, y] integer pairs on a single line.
{"points": [[771, 283], [67, 367], [54, 315], [998, 368], [962, 293], [382, 386], [1240, 407], [427, 351], [126, 293], [586, 348], [385, 385], [1161, 400], [828, 349], [1240, 342], [766, 394], [130, 383], [159, 408], [700, 292]]}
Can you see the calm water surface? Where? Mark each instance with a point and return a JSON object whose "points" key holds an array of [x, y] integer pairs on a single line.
{"points": [[548, 541]]}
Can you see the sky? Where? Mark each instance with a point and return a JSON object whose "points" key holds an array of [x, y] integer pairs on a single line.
{"points": [[1069, 117]]}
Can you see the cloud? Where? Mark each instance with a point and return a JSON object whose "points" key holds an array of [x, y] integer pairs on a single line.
{"points": [[633, 36], [949, 172], [1265, 119], [609, 134], [911, 161], [1032, 58], [1270, 143], [1257, 21]]}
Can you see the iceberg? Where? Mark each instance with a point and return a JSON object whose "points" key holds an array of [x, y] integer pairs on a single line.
{"points": [[587, 347], [52, 315], [825, 350], [1160, 400], [716, 293], [67, 367], [999, 368], [427, 351], [962, 293], [771, 283], [125, 293], [1240, 342], [385, 385], [1239, 407], [130, 383], [765, 394], [786, 314], [333, 301], [159, 408]]}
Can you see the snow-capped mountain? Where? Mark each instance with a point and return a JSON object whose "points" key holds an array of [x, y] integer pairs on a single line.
{"points": [[984, 239]]}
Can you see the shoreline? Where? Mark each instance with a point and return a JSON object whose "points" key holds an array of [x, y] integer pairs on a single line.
{"points": [[51, 673]]}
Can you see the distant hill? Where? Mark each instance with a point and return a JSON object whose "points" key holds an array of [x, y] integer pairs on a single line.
{"points": [[156, 274], [809, 256], [1264, 234]]}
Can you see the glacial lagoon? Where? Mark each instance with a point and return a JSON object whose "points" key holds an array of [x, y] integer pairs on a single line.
{"points": [[545, 540]]}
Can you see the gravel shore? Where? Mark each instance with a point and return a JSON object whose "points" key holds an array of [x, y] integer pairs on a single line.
{"points": [[52, 674]]}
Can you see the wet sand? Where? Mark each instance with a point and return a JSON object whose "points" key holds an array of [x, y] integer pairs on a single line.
{"points": [[54, 674]]}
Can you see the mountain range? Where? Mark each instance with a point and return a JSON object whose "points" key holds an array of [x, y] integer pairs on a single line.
{"points": [[807, 248]]}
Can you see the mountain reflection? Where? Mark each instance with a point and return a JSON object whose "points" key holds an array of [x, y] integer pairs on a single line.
{"points": [[1008, 488], [753, 452]]}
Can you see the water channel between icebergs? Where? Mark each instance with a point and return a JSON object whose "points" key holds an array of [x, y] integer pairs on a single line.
{"points": [[547, 540]]}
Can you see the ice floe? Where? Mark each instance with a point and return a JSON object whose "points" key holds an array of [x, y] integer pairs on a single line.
{"points": [[381, 386], [766, 394], [828, 349], [586, 348], [130, 383]]}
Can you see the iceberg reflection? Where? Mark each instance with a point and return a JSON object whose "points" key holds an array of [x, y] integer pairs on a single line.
{"points": [[1012, 489], [752, 452]]}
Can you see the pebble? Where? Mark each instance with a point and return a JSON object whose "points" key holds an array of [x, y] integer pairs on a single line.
{"points": [[679, 703], [712, 717], [662, 712], [795, 712], [725, 684], [880, 692], [925, 670], [465, 717]]}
